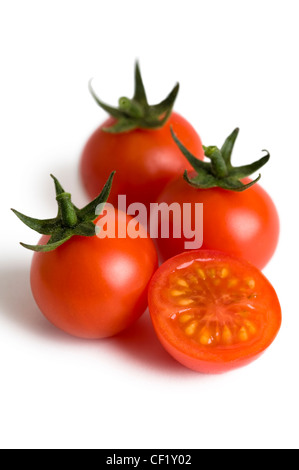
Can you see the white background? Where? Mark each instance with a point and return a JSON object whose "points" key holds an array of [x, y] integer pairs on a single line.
{"points": [[237, 63]]}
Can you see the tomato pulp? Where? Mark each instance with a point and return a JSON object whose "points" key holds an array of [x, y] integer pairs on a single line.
{"points": [[144, 160], [213, 312], [91, 287]]}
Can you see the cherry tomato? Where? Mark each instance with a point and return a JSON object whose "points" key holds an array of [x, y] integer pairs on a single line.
{"points": [[145, 160], [91, 287], [213, 312], [244, 224]]}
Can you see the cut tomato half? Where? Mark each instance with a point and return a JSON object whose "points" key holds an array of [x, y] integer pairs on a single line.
{"points": [[213, 312]]}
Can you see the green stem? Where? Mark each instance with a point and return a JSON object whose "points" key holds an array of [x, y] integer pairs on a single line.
{"points": [[130, 107], [67, 211], [219, 167]]}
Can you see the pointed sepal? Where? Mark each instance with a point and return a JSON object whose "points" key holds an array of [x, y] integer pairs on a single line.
{"points": [[50, 246], [44, 227]]}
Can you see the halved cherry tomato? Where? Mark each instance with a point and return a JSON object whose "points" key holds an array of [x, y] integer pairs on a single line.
{"points": [[213, 312]]}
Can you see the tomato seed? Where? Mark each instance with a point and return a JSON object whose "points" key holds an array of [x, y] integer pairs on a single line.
{"points": [[224, 273], [176, 293], [185, 318], [251, 283], [190, 330], [185, 302], [182, 282], [201, 274], [227, 335], [243, 336]]}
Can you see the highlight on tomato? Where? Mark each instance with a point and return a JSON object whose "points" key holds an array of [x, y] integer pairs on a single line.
{"points": [[239, 216], [136, 142], [87, 286], [213, 312]]}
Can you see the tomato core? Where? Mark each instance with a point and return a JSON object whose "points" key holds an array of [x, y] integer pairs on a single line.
{"points": [[215, 308]]}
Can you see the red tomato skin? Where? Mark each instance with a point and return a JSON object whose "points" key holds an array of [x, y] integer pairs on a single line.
{"points": [[144, 160], [244, 224], [201, 366], [93, 288], [213, 363]]}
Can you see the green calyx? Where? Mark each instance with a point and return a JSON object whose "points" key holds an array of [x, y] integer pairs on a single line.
{"points": [[219, 172], [136, 113], [70, 220]]}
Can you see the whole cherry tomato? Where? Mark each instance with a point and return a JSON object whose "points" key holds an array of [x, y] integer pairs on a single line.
{"points": [[87, 286], [136, 142], [239, 217]]}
